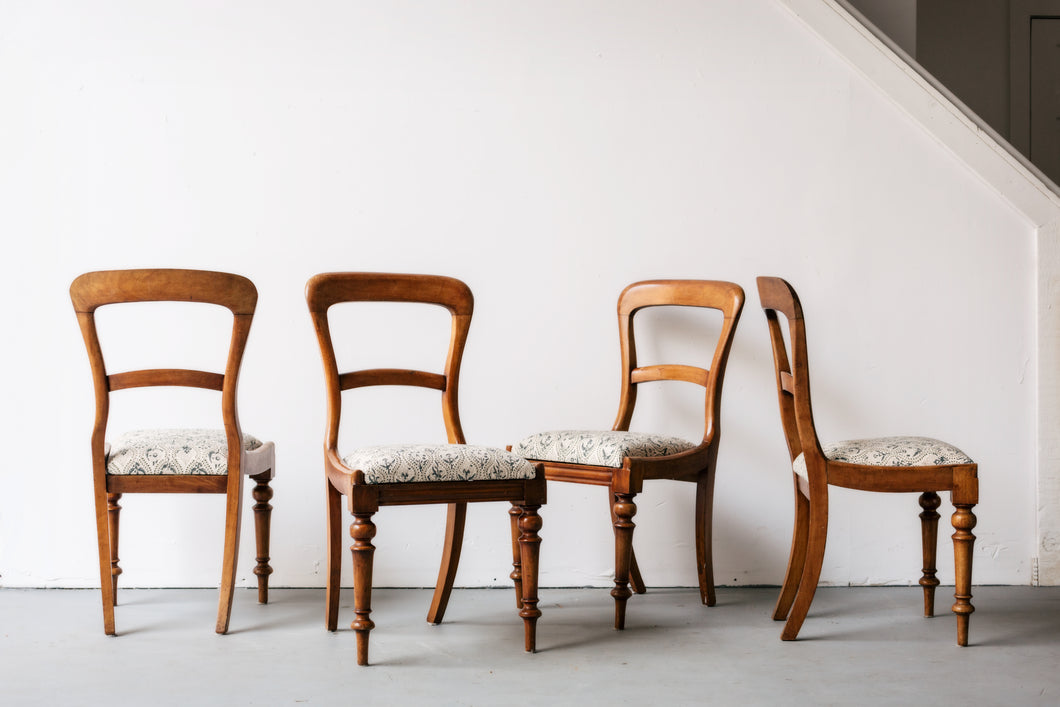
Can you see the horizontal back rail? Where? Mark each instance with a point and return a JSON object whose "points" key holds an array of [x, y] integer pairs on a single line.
{"points": [[674, 372], [165, 376], [391, 376]]}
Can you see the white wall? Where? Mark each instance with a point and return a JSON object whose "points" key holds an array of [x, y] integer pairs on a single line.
{"points": [[548, 154]]}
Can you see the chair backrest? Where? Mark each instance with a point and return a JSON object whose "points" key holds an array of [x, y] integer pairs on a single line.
{"points": [[792, 372], [327, 289], [726, 297], [97, 289]]}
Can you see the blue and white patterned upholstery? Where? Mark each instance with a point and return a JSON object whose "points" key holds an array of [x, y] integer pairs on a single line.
{"points": [[173, 452], [889, 451], [606, 448], [414, 463]]}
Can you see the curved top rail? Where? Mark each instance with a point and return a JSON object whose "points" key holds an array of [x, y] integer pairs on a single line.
{"points": [[96, 289], [326, 289], [716, 294]]}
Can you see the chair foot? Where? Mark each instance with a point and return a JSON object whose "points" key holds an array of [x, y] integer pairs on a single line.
{"points": [[362, 644], [962, 629]]}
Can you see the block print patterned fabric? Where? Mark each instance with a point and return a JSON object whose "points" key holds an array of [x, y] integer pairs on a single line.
{"points": [[192, 451], [392, 464], [890, 451], [594, 448]]}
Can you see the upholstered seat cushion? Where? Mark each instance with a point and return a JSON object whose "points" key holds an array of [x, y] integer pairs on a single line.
{"points": [[174, 452], [890, 451], [607, 448], [415, 463]]}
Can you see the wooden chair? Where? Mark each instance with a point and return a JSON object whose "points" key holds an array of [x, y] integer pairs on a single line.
{"points": [[182, 460], [453, 473], [890, 464], [623, 460]]}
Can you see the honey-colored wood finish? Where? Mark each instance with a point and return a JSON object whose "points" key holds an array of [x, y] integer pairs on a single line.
{"points": [[811, 492], [97, 289], [525, 496], [695, 465]]}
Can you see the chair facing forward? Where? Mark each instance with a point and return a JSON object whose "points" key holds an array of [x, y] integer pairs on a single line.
{"points": [[180, 460], [623, 460], [890, 464], [453, 473]]}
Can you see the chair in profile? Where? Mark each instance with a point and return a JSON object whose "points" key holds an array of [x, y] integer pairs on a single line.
{"points": [[175, 460], [453, 473], [889, 464], [624, 460]]}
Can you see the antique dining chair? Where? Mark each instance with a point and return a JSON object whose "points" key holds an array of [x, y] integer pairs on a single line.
{"points": [[453, 473], [623, 460], [175, 460], [889, 464]]}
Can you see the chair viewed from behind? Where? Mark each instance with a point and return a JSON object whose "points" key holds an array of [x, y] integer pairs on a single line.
{"points": [[888, 464], [175, 460], [624, 460], [453, 473]]}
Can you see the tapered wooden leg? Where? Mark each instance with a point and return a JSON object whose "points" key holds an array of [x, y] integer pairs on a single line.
{"points": [[963, 542], [517, 553], [797, 558], [103, 547], [635, 580], [929, 531], [113, 515], [704, 540], [625, 509], [233, 510], [454, 538], [530, 547], [262, 526], [334, 572], [362, 531], [811, 571]]}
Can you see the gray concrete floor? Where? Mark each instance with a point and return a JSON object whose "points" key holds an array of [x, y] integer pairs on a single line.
{"points": [[858, 646]]}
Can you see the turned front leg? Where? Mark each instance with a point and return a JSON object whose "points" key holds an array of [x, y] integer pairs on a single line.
{"points": [[530, 547], [362, 531], [113, 515], [963, 542], [929, 530], [262, 524], [625, 509]]}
